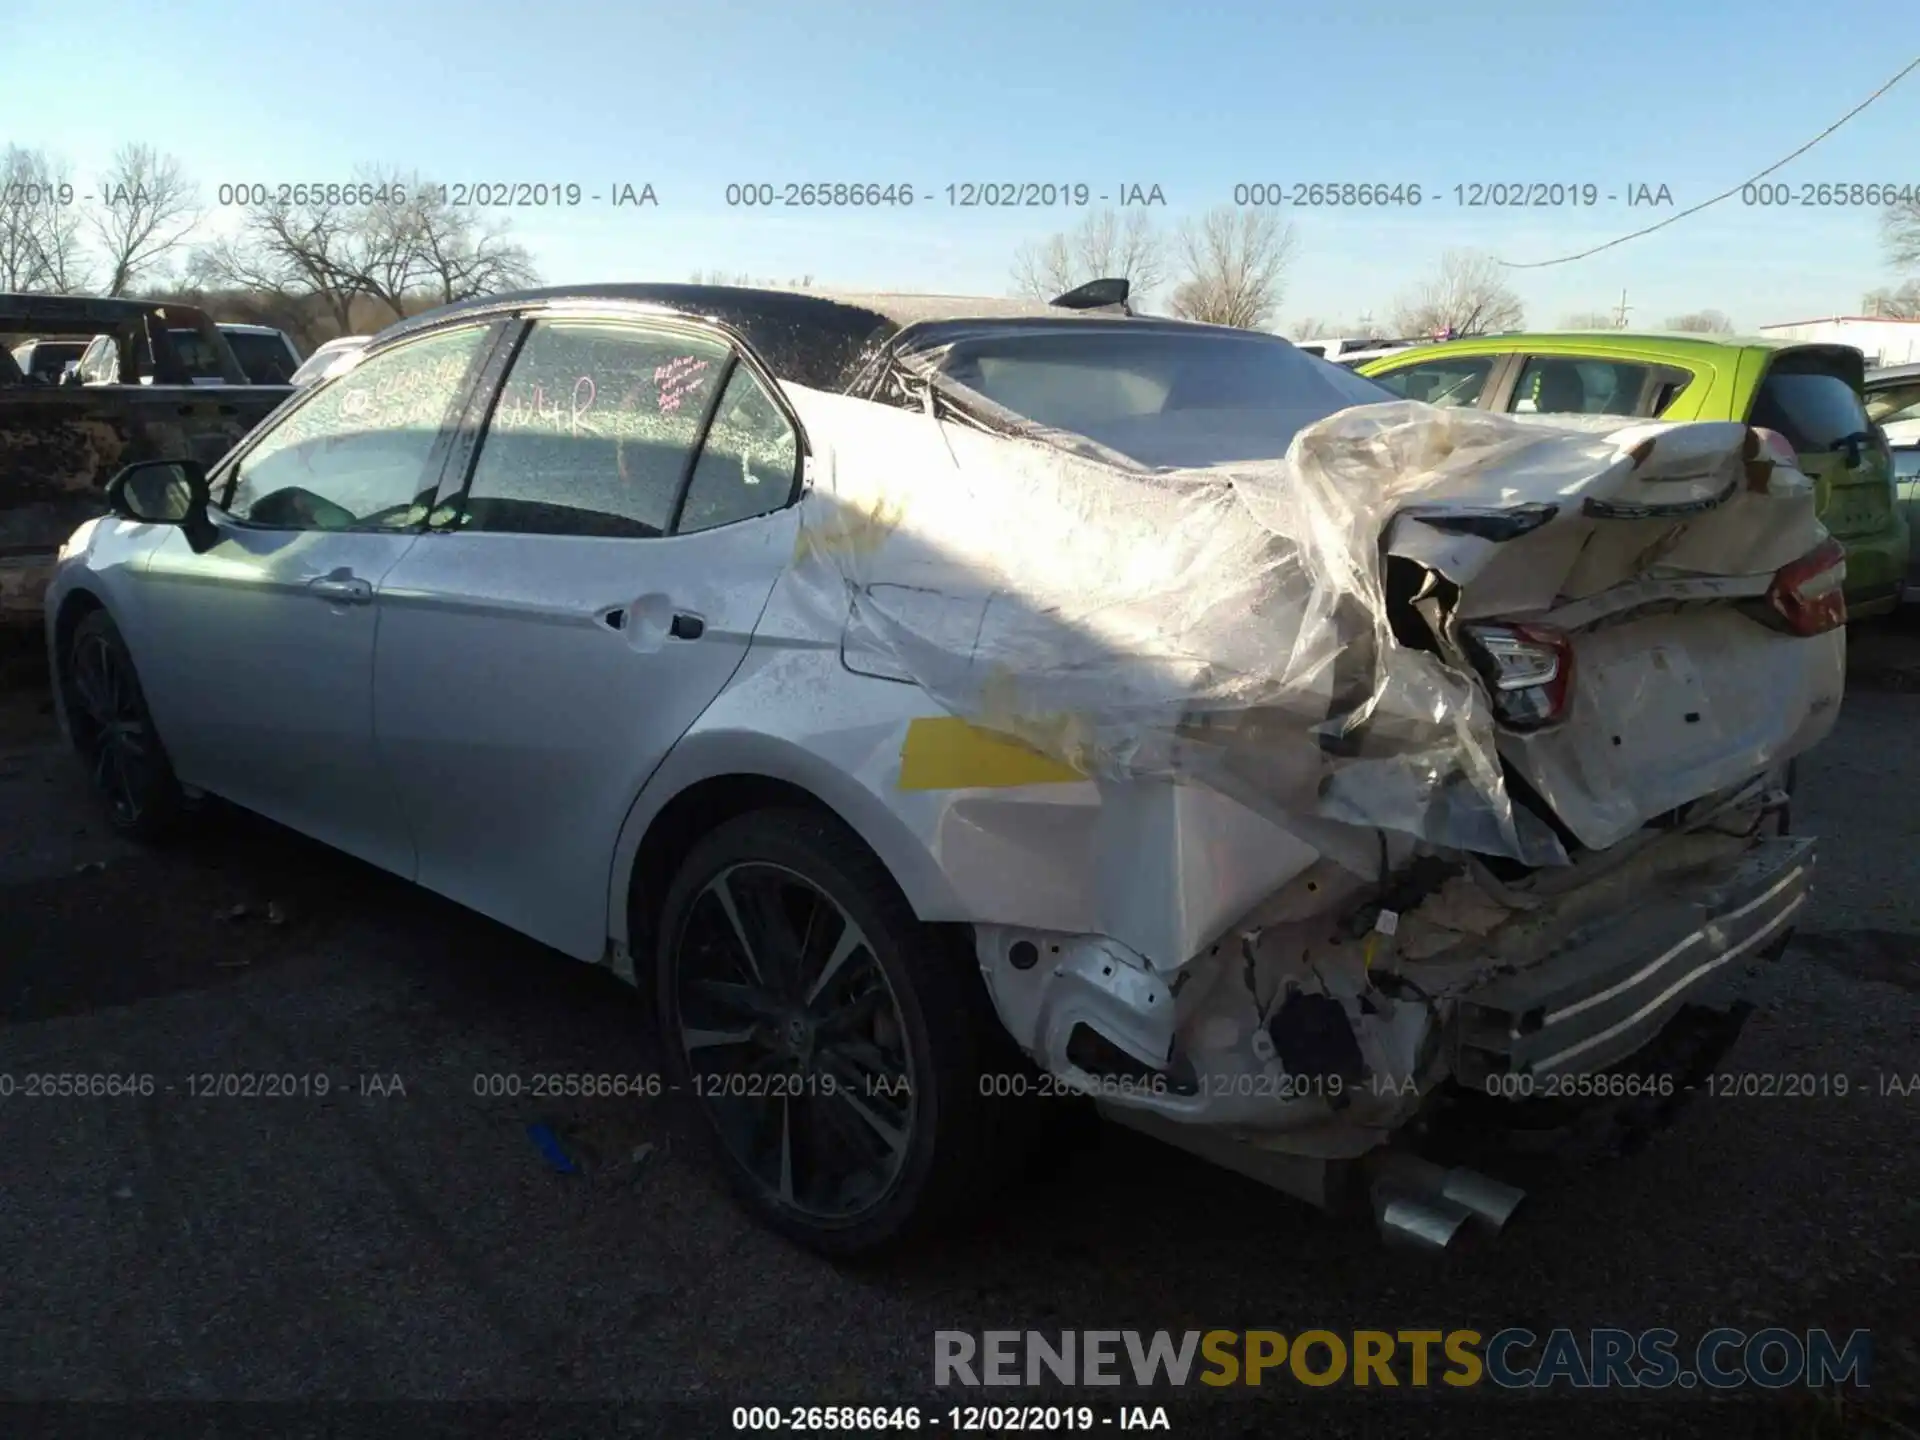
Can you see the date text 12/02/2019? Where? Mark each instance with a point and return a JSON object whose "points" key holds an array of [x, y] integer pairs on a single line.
{"points": [[961, 195], [961, 1419], [458, 195], [1472, 195]]}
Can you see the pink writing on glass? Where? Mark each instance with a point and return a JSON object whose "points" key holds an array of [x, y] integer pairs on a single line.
{"points": [[677, 379]]}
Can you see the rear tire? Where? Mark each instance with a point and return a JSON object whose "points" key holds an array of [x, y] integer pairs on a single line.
{"points": [[833, 1042], [114, 734]]}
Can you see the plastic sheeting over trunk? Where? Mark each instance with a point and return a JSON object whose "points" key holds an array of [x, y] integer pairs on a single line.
{"points": [[1227, 624]]}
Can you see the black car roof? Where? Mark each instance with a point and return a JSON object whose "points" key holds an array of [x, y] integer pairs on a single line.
{"points": [[818, 338]]}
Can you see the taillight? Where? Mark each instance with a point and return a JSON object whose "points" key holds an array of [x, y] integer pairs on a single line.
{"points": [[1528, 670], [1809, 593]]}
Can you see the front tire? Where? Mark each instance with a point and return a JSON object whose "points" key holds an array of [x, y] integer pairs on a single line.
{"points": [[114, 734], [832, 1041]]}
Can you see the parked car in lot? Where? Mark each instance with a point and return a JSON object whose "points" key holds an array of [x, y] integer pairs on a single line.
{"points": [[1352, 350], [269, 356], [1893, 403], [935, 703], [60, 444], [1808, 393], [328, 356], [264, 355]]}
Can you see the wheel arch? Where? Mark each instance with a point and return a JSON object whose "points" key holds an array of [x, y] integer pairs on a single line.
{"points": [[710, 779]]}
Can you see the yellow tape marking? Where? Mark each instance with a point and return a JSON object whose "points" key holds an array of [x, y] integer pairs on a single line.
{"points": [[944, 752]]}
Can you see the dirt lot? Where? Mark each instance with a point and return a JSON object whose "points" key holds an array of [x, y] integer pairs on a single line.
{"points": [[375, 1244]]}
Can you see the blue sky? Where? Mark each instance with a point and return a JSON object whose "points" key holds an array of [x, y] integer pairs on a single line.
{"points": [[1195, 98]]}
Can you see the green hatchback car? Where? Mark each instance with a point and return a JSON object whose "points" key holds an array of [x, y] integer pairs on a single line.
{"points": [[1811, 394]]}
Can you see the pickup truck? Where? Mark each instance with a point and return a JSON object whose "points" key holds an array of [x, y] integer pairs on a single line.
{"points": [[61, 443]]}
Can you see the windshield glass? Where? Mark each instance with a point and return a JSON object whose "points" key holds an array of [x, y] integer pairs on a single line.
{"points": [[1161, 397]]}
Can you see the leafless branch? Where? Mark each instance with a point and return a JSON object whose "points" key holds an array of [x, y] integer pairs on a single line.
{"points": [[1313, 328], [1467, 295], [145, 212], [1900, 233], [40, 246], [1236, 265], [1103, 246], [1701, 322], [1901, 302]]}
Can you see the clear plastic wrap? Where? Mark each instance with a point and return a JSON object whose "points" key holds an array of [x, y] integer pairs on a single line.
{"points": [[1221, 623]]}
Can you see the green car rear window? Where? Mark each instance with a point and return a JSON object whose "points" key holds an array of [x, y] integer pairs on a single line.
{"points": [[1811, 403]]}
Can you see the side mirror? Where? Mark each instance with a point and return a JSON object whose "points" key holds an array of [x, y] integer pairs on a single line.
{"points": [[165, 492], [70, 373]]}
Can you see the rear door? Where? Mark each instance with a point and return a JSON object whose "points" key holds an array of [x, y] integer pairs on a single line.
{"points": [[588, 584], [1812, 397]]}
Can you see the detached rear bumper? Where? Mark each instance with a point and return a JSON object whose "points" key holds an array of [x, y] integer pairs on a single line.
{"points": [[1609, 993]]}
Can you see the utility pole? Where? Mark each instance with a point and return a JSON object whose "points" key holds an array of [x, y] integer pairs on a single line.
{"points": [[1620, 313]]}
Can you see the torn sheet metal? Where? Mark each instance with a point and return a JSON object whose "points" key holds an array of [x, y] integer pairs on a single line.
{"points": [[1228, 623]]}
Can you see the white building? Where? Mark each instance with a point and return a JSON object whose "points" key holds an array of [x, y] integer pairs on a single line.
{"points": [[1883, 342]]}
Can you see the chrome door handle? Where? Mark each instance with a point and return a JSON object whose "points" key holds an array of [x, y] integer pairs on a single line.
{"points": [[342, 589]]}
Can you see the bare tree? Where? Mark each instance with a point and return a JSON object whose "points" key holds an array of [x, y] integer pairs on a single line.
{"points": [[1468, 295], [1101, 247], [40, 247], [1900, 302], [1236, 267], [146, 211], [410, 243], [1589, 320], [430, 246], [1900, 233], [1312, 328], [1701, 322], [293, 251]]}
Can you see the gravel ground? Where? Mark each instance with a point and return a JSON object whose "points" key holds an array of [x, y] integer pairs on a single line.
{"points": [[400, 1239]]}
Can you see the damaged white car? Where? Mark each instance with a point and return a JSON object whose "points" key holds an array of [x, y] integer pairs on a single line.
{"points": [[934, 705]]}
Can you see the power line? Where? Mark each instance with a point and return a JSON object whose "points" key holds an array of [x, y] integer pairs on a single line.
{"points": [[1912, 65]]}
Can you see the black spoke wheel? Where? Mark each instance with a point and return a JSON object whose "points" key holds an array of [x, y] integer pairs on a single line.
{"points": [[831, 1041], [114, 734]]}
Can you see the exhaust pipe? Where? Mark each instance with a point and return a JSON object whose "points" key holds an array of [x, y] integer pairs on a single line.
{"points": [[1423, 1206], [1407, 1223]]}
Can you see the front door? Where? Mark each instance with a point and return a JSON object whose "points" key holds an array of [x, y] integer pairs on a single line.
{"points": [[257, 655]]}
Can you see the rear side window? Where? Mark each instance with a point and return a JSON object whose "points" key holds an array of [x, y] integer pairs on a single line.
{"points": [[1452, 380], [1815, 408], [748, 462], [594, 430], [1562, 385]]}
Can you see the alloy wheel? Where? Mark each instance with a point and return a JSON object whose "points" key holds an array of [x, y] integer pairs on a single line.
{"points": [[794, 1041], [111, 728]]}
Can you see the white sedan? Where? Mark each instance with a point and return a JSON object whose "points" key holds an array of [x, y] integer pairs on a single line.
{"points": [[936, 703]]}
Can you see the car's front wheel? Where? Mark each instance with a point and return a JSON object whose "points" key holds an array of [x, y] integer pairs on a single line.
{"points": [[834, 1043], [114, 733]]}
